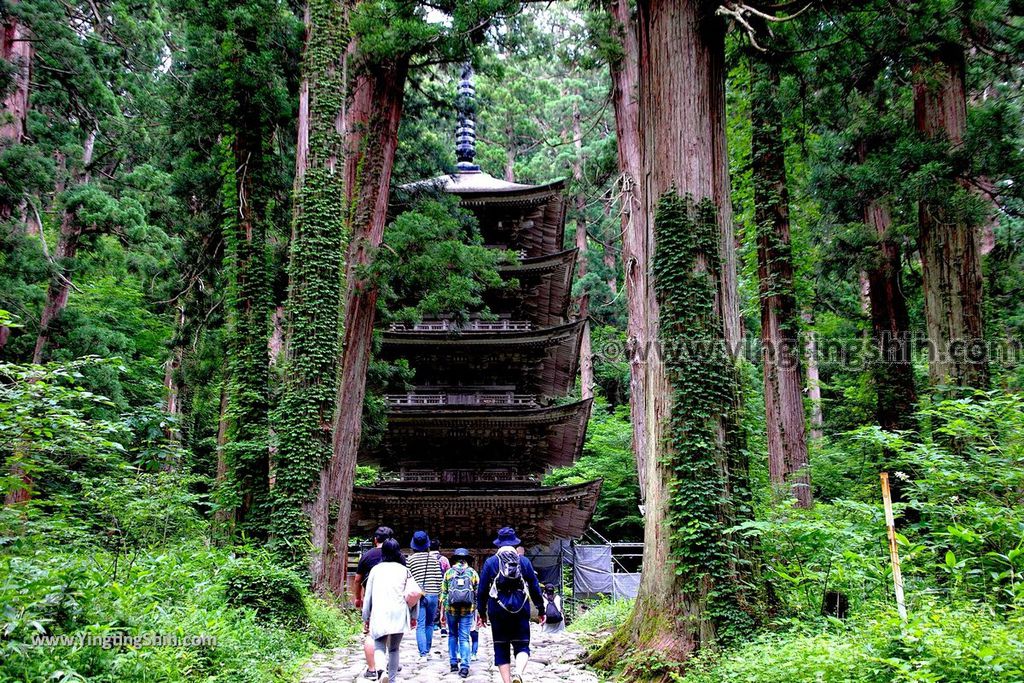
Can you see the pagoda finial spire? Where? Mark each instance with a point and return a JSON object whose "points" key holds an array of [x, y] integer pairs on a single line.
{"points": [[465, 132]]}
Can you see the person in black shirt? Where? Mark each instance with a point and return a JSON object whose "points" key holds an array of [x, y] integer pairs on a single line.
{"points": [[370, 559]]}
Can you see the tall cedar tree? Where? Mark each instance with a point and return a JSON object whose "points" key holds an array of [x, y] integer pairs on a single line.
{"points": [[624, 65], [948, 234], [692, 592], [319, 238], [783, 383]]}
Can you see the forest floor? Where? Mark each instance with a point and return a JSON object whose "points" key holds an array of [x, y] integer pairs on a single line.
{"points": [[554, 660]]}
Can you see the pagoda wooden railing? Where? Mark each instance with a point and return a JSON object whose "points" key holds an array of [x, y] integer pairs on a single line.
{"points": [[476, 399], [458, 476], [471, 326]]}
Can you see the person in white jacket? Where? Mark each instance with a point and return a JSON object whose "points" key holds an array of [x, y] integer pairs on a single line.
{"points": [[387, 612]]}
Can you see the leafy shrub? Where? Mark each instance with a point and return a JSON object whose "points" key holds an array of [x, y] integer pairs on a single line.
{"points": [[601, 616], [274, 593], [959, 643]]}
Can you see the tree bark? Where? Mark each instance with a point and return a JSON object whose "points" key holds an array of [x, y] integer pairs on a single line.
{"points": [[788, 464], [690, 581], [172, 390], [224, 517], [813, 377], [948, 241], [67, 247], [583, 300], [372, 125], [16, 50], [625, 80], [890, 324]]}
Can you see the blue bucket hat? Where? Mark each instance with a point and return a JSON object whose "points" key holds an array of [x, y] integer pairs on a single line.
{"points": [[420, 541], [461, 554], [507, 536]]}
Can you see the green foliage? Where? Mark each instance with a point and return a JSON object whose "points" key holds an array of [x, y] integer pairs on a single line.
{"points": [[274, 593], [941, 642], [608, 455], [170, 592], [46, 426], [109, 548], [602, 617], [433, 262]]}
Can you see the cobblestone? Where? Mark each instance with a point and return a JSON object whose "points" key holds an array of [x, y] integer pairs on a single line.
{"points": [[554, 659]]}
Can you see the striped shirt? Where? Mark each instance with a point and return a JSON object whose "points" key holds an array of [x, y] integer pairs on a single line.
{"points": [[426, 569]]}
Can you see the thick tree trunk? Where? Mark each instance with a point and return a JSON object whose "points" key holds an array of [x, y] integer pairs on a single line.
{"points": [[67, 247], [635, 255], [583, 301], [319, 239], [788, 464], [16, 50], [950, 262], [890, 324], [249, 396], [224, 517], [689, 590], [372, 122], [813, 377]]}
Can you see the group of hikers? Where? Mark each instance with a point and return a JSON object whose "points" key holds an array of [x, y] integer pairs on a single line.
{"points": [[426, 591]]}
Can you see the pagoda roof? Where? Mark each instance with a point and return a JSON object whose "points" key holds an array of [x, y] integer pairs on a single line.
{"points": [[479, 186], [470, 517], [547, 301], [530, 440], [554, 349]]}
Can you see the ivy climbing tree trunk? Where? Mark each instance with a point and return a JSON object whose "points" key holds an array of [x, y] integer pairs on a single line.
{"points": [[378, 94], [583, 300], [299, 516], [788, 464], [246, 450], [625, 80], [690, 594], [948, 241]]}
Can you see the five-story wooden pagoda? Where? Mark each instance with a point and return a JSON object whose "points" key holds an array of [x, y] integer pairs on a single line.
{"points": [[488, 414]]}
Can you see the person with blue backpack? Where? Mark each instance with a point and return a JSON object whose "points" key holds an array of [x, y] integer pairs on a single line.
{"points": [[508, 584], [458, 603]]}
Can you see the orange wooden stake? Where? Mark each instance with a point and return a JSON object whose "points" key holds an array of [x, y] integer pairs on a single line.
{"points": [[894, 553]]}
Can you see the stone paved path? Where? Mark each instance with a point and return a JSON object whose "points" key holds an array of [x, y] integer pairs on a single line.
{"points": [[554, 659]]}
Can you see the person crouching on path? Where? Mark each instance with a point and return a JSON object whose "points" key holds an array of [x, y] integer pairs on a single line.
{"points": [[505, 581], [427, 571], [369, 560], [387, 613], [458, 600]]}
